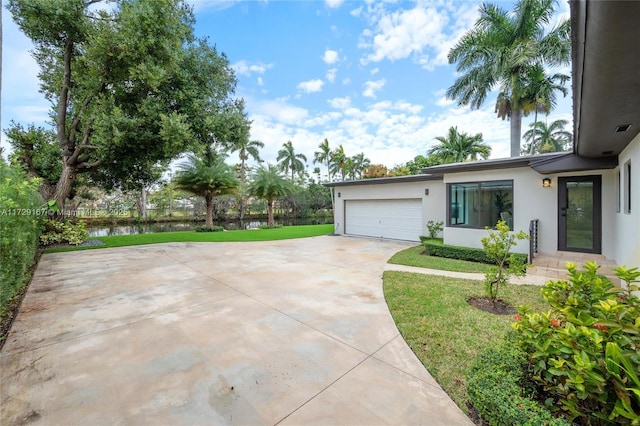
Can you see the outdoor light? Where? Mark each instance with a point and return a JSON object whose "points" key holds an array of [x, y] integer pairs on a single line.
{"points": [[426, 191], [338, 195], [546, 182]]}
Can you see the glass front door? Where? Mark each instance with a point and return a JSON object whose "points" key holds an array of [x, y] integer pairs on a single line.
{"points": [[580, 214]]}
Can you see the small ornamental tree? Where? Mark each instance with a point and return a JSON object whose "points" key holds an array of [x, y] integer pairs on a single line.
{"points": [[435, 228], [497, 247]]}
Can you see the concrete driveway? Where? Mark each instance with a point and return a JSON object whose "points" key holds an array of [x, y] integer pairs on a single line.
{"points": [[284, 332]]}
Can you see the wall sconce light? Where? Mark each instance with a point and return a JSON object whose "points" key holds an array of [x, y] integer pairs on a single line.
{"points": [[338, 195], [426, 191], [546, 183]]}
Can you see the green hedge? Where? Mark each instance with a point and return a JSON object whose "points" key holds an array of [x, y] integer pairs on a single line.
{"points": [[21, 220], [495, 384], [437, 248]]}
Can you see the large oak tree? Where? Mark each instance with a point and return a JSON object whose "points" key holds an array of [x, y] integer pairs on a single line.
{"points": [[130, 87]]}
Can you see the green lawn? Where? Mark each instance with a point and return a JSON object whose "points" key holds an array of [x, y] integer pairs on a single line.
{"points": [[284, 233], [442, 329], [415, 256]]}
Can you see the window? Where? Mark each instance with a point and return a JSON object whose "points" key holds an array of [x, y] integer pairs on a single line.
{"points": [[618, 192], [480, 204], [627, 187]]}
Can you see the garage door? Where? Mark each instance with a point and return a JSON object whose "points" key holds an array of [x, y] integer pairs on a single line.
{"points": [[396, 219]]}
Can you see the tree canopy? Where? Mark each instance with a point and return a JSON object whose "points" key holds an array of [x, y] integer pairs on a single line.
{"points": [[501, 50], [130, 87], [459, 146]]}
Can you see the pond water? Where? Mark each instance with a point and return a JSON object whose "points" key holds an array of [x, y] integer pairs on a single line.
{"points": [[148, 228]]}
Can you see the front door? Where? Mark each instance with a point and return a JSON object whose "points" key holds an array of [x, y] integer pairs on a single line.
{"points": [[580, 214]]}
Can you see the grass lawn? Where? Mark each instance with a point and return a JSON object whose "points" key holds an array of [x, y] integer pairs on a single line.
{"points": [[284, 233], [415, 256], [442, 329]]}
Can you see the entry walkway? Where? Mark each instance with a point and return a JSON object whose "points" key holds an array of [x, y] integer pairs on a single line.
{"points": [[286, 332]]}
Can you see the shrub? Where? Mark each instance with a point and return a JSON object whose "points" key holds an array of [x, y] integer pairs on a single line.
{"points": [[209, 229], [20, 223], [497, 388], [437, 248], [434, 228], [274, 226], [584, 353], [56, 232], [497, 246]]}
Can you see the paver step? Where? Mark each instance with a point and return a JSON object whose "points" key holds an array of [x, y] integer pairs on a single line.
{"points": [[553, 265]]}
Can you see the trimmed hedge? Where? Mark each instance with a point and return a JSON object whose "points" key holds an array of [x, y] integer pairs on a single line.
{"points": [[20, 223], [436, 248], [495, 384], [209, 229]]}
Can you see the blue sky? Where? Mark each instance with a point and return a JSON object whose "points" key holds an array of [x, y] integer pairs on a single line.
{"points": [[368, 75]]}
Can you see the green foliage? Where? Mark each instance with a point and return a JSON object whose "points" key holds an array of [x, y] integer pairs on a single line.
{"points": [[497, 246], [209, 229], [459, 146], [274, 226], [496, 384], [20, 221], [584, 353], [435, 228], [56, 232], [437, 248], [269, 185]]}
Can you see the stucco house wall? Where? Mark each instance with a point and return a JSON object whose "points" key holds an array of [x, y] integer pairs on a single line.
{"points": [[626, 226]]}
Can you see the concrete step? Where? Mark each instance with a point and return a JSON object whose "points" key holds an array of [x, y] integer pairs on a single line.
{"points": [[553, 265]]}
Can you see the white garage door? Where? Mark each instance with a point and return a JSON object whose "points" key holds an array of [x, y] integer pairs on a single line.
{"points": [[397, 219]]}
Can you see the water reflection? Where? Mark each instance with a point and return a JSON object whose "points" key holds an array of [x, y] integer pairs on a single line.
{"points": [[148, 228]]}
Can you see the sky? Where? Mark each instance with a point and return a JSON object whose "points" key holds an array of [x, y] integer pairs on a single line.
{"points": [[370, 75]]}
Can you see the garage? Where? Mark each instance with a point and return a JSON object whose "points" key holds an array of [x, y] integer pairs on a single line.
{"points": [[399, 219]]}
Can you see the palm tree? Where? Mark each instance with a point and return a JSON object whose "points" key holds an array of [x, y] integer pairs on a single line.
{"points": [[358, 165], [289, 160], [541, 94], [268, 184], [457, 147], [324, 156], [207, 176], [339, 162], [499, 51], [246, 149], [552, 138]]}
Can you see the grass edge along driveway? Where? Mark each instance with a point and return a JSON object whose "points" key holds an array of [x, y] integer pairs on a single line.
{"points": [[284, 233]]}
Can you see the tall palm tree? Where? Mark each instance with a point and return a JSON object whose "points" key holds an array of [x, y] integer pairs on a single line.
{"points": [[246, 149], [323, 156], [541, 92], [548, 138], [339, 162], [358, 165], [457, 147], [269, 185], [289, 160], [207, 176], [498, 52]]}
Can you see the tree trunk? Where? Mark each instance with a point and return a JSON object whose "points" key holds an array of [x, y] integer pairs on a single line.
{"points": [[535, 131], [208, 199], [516, 128], [142, 204], [270, 220], [64, 185]]}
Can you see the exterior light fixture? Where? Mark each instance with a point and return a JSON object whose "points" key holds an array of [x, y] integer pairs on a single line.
{"points": [[338, 195], [546, 183], [426, 191]]}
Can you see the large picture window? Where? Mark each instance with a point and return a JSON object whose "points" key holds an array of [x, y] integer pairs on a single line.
{"points": [[480, 204]]}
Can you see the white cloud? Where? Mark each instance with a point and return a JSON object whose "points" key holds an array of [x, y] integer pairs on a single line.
{"points": [[246, 68], [331, 74], [375, 71], [311, 86], [330, 56], [260, 81], [340, 103], [346, 81], [371, 87], [279, 110], [334, 3]]}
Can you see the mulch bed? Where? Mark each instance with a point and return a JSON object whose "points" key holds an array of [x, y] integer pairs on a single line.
{"points": [[500, 307]]}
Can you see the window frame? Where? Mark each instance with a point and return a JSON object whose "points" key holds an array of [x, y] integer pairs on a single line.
{"points": [[627, 187], [478, 202]]}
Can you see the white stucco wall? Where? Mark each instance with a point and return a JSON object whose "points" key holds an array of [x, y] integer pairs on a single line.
{"points": [[532, 201], [433, 205], [626, 227]]}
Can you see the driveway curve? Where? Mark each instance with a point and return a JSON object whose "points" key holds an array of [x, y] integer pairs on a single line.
{"points": [[283, 332]]}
